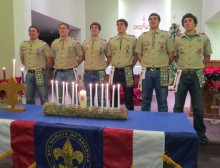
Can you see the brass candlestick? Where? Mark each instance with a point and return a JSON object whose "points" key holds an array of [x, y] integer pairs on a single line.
{"points": [[215, 107]]}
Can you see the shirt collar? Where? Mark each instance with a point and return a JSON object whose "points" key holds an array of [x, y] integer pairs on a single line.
{"points": [[33, 40], [185, 35], [66, 38], [156, 32], [94, 38], [124, 36]]}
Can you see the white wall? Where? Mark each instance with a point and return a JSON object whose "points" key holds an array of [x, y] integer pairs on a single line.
{"points": [[135, 12], [212, 28], [69, 11], [13, 32], [210, 8], [22, 21], [181, 7], [105, 12]]}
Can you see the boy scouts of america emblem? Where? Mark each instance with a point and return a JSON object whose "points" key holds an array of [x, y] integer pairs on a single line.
{"points": [[68, 149]]}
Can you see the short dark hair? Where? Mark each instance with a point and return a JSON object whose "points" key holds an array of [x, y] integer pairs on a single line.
{"points": [[65, 24], [35, 27], [189, 15], [95, 24], [124, 21], [154, 14]]}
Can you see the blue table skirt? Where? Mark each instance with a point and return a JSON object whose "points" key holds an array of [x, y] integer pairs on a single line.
{"points": [[138, 120]]}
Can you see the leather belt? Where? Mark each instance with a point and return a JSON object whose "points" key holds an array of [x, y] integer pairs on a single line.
{"points": [[32, 70], [189, 71], [93, 71], [122, 68], [64, 70], [152, 69], [119, 69]]}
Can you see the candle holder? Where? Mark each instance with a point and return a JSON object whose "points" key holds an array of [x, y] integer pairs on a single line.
{"points": [[88, 112], [12, 89], [215, 107]]}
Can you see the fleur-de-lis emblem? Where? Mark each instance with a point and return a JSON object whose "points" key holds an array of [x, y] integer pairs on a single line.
{"points": [[12, 88], [68, 154]]}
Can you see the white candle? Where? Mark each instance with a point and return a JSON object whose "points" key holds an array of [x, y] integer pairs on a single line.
{"points": [[73, 95], [22, 74], [90, 94], [57, 92], [67, 94], [107, 95], [83, 102], [113, 96], [14, 67], [118, 95], [96, 95], [63, 92], [52, 90], [102, 95], [76, 85], [4, 73]]}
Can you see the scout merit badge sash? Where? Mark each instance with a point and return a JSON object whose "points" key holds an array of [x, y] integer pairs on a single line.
{"points": [[111, 75], [164, 77], [177, 80], [39, 77], [201, 77], [75, 74], [102, 76], [129, 76], [172, 73], [142, 76]]}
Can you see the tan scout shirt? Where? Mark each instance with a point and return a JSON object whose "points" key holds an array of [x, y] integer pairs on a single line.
{"points": [[65, 52], [122, 50], [35, 54], [191, 52], [154, 48], [94, 50]]}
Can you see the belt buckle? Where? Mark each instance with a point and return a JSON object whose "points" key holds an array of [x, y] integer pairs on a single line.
{"points": [[152, 68]]}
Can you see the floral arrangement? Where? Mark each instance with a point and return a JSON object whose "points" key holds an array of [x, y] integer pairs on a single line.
{"points": [[137, 96], [174, 30], [212, 77]]}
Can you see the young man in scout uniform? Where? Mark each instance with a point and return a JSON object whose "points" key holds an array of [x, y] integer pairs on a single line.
{"points": [[68, 55], [155, 51], [193, 50], [94, 49], [121, 51], [35, 55]]}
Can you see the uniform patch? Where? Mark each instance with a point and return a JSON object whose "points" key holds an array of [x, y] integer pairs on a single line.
{"points": [[61, 152], [146, 43], [114, 48]]}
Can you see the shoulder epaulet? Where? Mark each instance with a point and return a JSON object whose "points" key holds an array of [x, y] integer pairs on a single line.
{"points": [[56, 39], [179, 35], [44, 42], [103, 39], [202, 33]]}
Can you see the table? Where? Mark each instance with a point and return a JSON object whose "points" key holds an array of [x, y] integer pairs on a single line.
{"points": [[180, 138]]}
